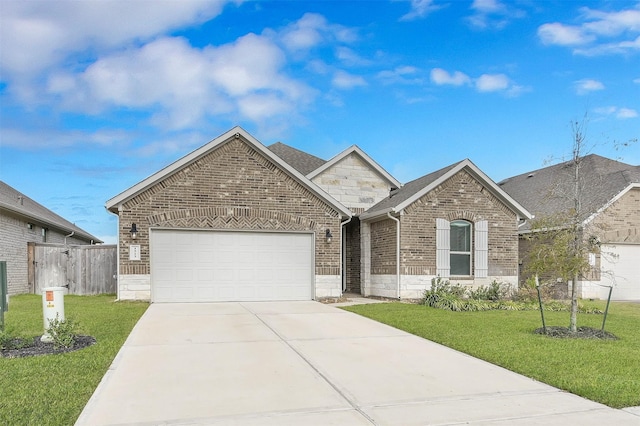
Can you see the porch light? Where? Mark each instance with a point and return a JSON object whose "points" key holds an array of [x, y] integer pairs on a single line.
{"points": [[327, 235], [133, 231]]}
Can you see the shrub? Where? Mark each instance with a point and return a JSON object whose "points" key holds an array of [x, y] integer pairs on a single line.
{"points": [[63, 333]]}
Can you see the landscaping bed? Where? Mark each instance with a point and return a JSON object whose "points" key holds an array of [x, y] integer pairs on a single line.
{"points": [[44, 385]]}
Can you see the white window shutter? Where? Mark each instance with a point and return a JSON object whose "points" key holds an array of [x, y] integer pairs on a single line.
{"points": [[443, 244], [482, 249]]}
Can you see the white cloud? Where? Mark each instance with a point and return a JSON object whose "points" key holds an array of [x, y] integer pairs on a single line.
{"points": [[420, 9], [443, 77], [313, 30], [493, 14], [185, 83], [636, 80], [563, 35], [624, 113], [620, 113], [492, 83], [344, 80], [599, 33], [350, 58], [403, 75], [35, 35], [485, 83], [587, 85]]}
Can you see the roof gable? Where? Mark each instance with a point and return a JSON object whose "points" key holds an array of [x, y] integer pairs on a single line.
{"points": [[13, 201], [416, 189], [237, 132], [355, 150]]}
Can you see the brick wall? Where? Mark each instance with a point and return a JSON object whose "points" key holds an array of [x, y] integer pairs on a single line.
{"points": [[352, 256], [460, 197], [14, 236], [620, 223], [232, 187]]}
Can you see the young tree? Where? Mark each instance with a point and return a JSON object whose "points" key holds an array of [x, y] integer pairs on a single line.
{"points": [[560, 244]]}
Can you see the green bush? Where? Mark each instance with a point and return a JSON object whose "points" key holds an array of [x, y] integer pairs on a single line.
{"points": [[497, 296], [63, 333]]}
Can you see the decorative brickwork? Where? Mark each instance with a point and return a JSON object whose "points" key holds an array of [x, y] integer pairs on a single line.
{"points": [[460, 197], [231, 187]]}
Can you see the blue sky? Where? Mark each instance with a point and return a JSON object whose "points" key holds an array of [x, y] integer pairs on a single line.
{"points": [[95, 96]]}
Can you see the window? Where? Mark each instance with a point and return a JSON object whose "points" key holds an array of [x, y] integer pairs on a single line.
{"points": [[455, 241], [460, 249]]}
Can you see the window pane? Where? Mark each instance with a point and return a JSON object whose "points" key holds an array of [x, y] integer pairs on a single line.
{"points": [[460, 236], [460, 264]]}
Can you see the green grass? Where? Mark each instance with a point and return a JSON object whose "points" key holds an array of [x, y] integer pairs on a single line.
{"points": [[53, 389], [606, 371]]}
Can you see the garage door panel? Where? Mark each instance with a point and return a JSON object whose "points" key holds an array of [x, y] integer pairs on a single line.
{"points": [[621, 268], [230, 266]]}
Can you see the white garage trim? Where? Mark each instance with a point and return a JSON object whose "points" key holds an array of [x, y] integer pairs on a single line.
{"points": [[192, 265]]}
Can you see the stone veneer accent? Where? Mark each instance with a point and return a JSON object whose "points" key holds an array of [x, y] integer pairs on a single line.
{"points": [[353, 183], [231, 187], [460, 197]]}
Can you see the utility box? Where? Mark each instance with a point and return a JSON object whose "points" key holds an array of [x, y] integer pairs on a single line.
{"points": [[52, 308]]}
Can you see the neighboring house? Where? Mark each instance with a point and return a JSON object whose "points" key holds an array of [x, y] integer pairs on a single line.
{"points": [[235, 220], [610, 214], [23, 221], [454, 223]]}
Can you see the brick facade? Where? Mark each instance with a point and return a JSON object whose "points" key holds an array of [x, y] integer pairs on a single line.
{"points": [[459, 197], [231, 187]]}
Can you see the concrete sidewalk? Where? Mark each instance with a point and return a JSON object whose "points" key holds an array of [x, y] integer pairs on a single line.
{"points": [[305, 363]]}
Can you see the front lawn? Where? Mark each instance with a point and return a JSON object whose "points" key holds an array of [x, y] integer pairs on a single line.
{"points": [[606, 371], [53, 389]]}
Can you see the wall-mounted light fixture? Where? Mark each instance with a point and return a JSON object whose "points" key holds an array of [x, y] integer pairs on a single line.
{"points": [[133, 231], [327, 235]]}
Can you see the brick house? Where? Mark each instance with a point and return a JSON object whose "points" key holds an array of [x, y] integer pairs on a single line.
{"points": [[24, 221], [610, 214], [235, 220], [454, 223]]}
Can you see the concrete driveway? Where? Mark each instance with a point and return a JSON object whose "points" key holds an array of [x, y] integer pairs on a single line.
{"points": [[305, 363]]}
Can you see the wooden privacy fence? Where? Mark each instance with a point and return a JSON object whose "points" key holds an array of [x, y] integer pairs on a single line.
{"points": [[82, 269]]}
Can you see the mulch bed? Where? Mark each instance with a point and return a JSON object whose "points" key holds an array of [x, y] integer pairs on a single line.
{"points": [[581, 333], [18, 348]]}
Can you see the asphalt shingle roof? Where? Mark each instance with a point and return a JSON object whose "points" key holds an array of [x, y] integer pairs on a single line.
{"points": [[549, 190], [409, 189], [17, 203], [299, 160]]}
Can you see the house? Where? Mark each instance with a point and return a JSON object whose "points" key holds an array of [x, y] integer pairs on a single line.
{"points": [[24, 221], [235, 220], [610, 215], [455, 223]]}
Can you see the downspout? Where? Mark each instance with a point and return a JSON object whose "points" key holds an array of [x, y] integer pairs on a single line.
{"points": [[120, 209], [68, 236], [397, 253], [343, 239]]}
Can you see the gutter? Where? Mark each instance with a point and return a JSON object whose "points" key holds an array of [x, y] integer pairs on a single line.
{"points": [[397, 253]]}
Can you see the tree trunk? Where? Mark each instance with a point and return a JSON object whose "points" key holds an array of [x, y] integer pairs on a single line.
{"points": [[573, 322]]}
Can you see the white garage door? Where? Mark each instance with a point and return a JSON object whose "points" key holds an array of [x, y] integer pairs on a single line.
{"points": [[625, 266], [214, 266]]}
